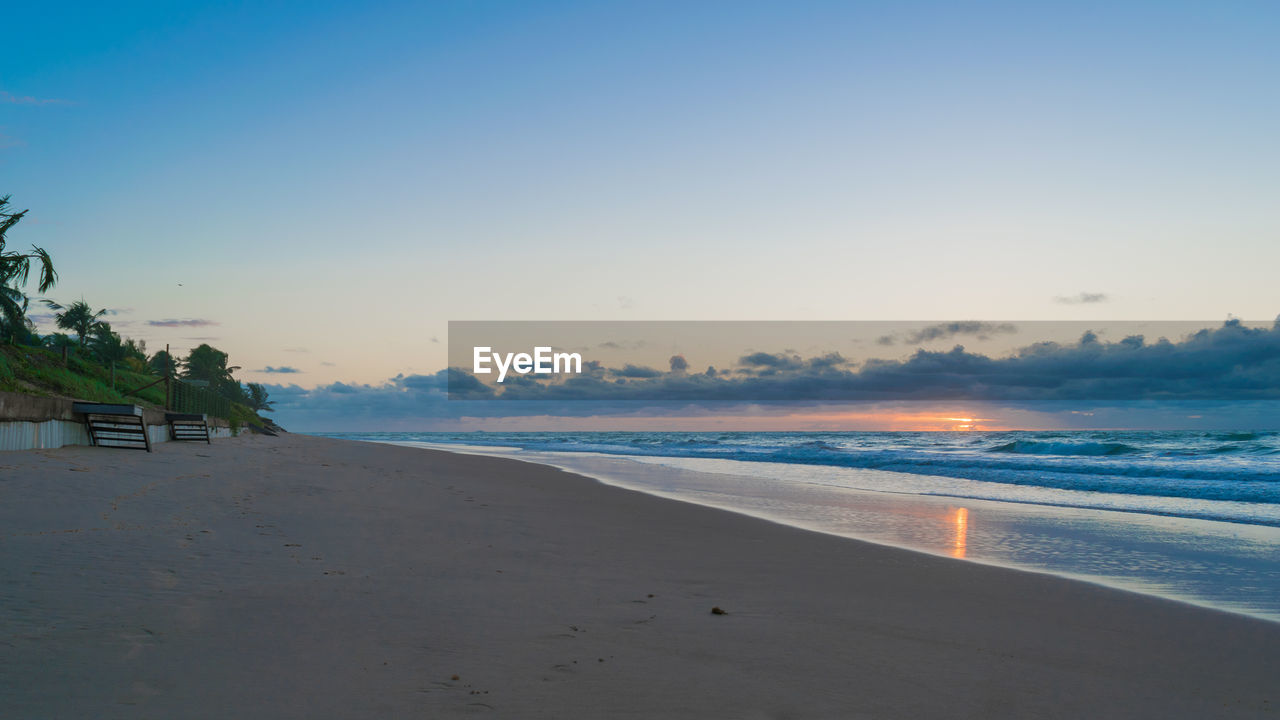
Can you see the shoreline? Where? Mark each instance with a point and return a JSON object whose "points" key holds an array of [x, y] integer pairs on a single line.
{"points": [[284, 577], [1174, 552], [980, 469]]}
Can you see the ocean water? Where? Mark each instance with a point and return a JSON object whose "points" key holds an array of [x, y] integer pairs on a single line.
{"points": [[1193, 516], [1231, 476]]}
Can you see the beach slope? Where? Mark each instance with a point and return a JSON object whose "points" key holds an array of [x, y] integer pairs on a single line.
{"points": [[306, 577]]}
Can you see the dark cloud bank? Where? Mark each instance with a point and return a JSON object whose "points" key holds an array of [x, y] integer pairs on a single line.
{"points": [[1232, 363]]}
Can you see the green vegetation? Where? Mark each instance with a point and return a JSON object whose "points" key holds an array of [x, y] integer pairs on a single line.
{"points": [[77, 317], [15, 268], [95, 363], [40, 371], [84, 376]]}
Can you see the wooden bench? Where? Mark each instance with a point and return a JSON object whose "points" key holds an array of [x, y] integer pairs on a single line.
{"points": [[188, 426], [114, 425]]}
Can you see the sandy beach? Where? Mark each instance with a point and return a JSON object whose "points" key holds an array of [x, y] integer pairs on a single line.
{"points": [[306, 577]]}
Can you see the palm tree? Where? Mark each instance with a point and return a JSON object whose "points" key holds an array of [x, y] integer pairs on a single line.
{"points": [[162, 363], [111, 348], [58, 341], [15, 267], [258, 399], [136, 349], [209, 364], [14, 325], [13, 309], [77, 317], [106, 343]]}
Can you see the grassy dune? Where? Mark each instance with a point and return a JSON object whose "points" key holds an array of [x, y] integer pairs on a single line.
{"points": [[36, 371]]}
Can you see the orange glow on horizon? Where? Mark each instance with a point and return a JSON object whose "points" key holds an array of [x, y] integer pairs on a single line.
{"points": [[923, 421], [944, 420]]}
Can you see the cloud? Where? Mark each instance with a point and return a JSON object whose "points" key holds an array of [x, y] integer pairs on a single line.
{"points": [[11, 99], [1084, 298], [624, 345], [461, 384], [296, 350], [949, 330], [830, 360], [326, 363], [767, 364], [182, 323], [1230, 362], [1230, 368], [637, 371], [945, 331], [678, 364], [284, 369], [770, 361]]}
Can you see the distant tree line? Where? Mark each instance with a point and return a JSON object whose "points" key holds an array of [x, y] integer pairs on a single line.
{"points": [[90, 337]]}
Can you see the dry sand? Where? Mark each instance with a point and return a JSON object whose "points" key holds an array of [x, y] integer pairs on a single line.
{"points": [[305, 577]]}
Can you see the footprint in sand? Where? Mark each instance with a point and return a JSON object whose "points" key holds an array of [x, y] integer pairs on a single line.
{"points": [[166, 579]]}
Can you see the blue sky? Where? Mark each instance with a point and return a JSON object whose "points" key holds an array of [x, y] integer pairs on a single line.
{"points": [[323, 179]]}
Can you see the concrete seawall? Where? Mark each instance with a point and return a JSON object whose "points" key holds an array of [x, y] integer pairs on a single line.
{"points": [[30, 422]]}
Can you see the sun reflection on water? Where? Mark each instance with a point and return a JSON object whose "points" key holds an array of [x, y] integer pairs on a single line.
{"points": [[962, 532]]}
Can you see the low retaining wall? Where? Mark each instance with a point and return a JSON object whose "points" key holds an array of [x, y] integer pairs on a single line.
{"points": [[28, 422]]}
